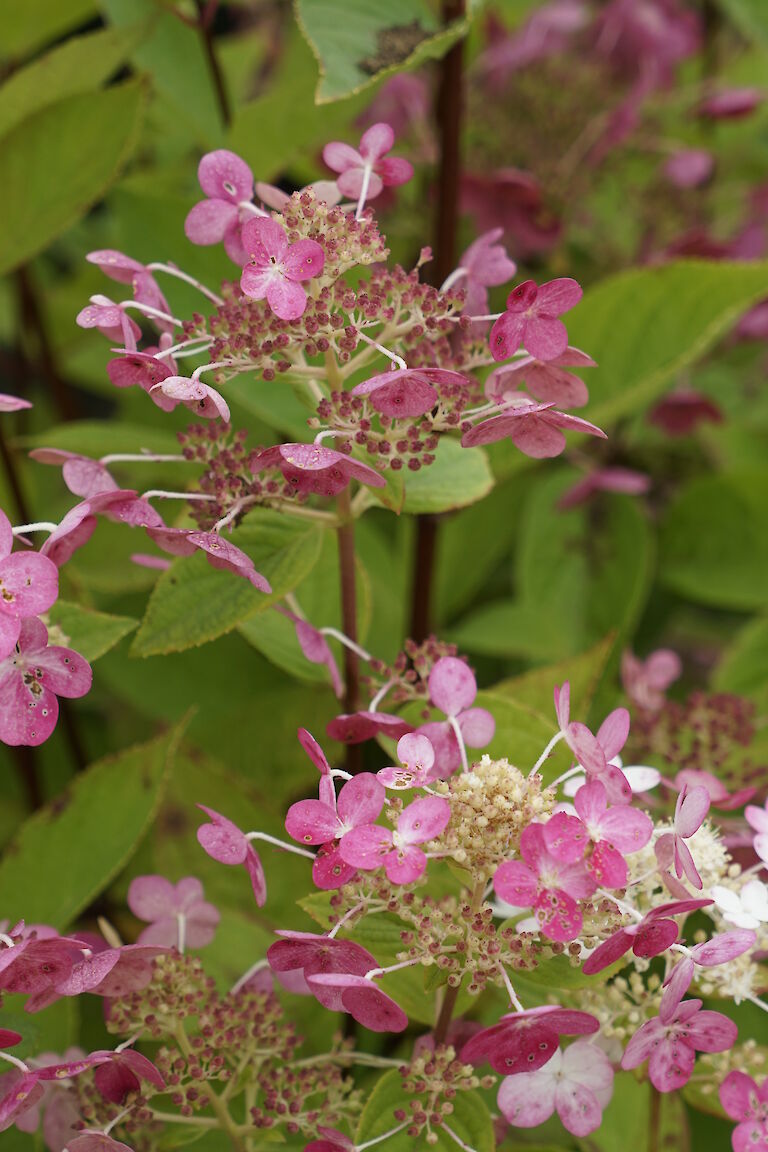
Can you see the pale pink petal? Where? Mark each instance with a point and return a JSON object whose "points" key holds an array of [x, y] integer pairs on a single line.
{"points": [[712, 1032], [361, 800], [685, 864], [415, 752], [209, 221], [264, 240], [405, 865], [303, 260], [528, 1098], [394, 170], [677, 984], [286, 299], [152, 897], [577, 1108], [626, 828], [423, 820], [12, 403], [376, 141], [724, 947], [670, 1065], [222, 173], [477, 726], [558, 296], [691, 810], [642, 1044], [341, 157], [312, 822], [222, 839], [563, 705], [366, 846], [29, 584], [452, 685], [737, 1094], [516, 883], [613, 732]]}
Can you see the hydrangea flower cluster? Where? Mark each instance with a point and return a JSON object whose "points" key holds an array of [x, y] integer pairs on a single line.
{"points": [[612, 884]]}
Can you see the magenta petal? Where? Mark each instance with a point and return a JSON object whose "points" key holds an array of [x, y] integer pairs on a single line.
{"points": [[312, 822], [544, 337], [627, 829], [613, 732], [329, 870], [361, 800], [724, 947], [423, 820], [303, 260], [527, 1100], [222, 839], [366, 846], [376, 141], [256, 874], [712, 1032], [507, 335], [670, 1065], [566, 838], [364, 1000], [224, 174], [558, 296], [642, 1044], [558, 915], [737, 1094], [516, 883], [677, 984], [608, 952]]}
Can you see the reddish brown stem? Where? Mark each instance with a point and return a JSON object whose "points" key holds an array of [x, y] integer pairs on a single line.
{"points": [[450, 98], [346, 539], [206, 13]]}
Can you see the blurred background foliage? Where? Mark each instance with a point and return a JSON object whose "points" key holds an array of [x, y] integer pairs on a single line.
{"points": [[105, 109]]}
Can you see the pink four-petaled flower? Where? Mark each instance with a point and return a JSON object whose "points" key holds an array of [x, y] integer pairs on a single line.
{"points": [[531, 319], [177, 914], [368, 168], [546, 380], [32, 676], [314, 469], [576, 1083], [539, 881], [605, 834], [746, 1101], [408, 392], [485, 264], [536, 429], [29, 585], [224, 841], [276, 268], [671, 848], [452, 689], [329, 821], [227, 182], [417, 757], [371, 846], [525, 1041]]}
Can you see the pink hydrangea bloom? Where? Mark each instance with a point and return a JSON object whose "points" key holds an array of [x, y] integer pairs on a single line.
{"points": [[719, 795], [689, 167], [626, 481], [452, 689], [276, 268], [123, 1073], [357, 727], [219, 553], [576, 1083], [329, 822], [407, 392], [670, 1041], [79, 524], [595, 753], [536, 429], [227, 182], [223, 841], [680, 412], [525, 1041], [9, 1038], [146, 370], [747, 1102], [312, 954], [417, 757], [200, 398], [111, 321], [326, 191], [126, 270], [361, 998], [730, 103], [32, 677], [56, 1110], [757, 818], [12, 403], [177, 914], [650, 937], [331, 1141], [690, 812], [29, 584], [531, 319], [484, 265], [546, 380], [96, 1142], [369, 167], [646, 681], [314, 647], [371, 846], [313, 469], [542, 883], [606, 834], [90, 478]]}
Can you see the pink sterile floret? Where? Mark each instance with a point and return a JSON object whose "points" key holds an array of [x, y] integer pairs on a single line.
{"points": [[646, 681], [200, 398], [218, 552], [126, 270], [357, 727], [29, 584], [602, 835], [312, 954], [525, 1041], [551, 889], [407, 392], [276, 268], [361, 998], [313, 469], [227, 181], [690, 812], [623, 480], [369, 167], [177, 914], [331, 1141], [417, 757], [111, 321], [531, 319], [547, 380], [370, 846], [96, 1142], [314, 647], [536, 429], [650, 937], [746, 1101], [10, 403], [576, 1083], [32, 676], [224, 841], [719, 795], [144, 369], [485, 264], [689, 167], [757, 818], [323, 821], [79, 524], [595, 753], [670, 1042], [452, 689]]}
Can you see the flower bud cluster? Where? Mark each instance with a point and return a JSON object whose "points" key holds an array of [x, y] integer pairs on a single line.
{"points": [[432, 1081]]}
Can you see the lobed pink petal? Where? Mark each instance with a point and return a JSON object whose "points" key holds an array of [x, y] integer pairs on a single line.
{"points": [[286, 299], [558, 296], [152, 898], [341, 157], [394, 171], [29, 584], [507, 335], [452, 685], [423, 820], [405, 865], [724, 947], [303, 260], [222, 839], [209, 221], [527, 1099], [676, 986], [558, 915], [361, 800], [627, 829], [329, 870], [670, 1065], [738, 1094], [644, 1042], [265, 241], [711, 1032], [516, 883], [691, 810], [608, 952], [225, 175], [376, 141], [366, 846], [654, 937], [312, 822], [544, 337]]}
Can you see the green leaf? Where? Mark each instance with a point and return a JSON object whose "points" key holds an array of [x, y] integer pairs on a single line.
{"points": [[744, 667], [48, 183], [356, 42], [522, 733], [89, 633], [470, 1120], [749, 16], [583, 672], [458, 477], [629, 1113], [193, 602], [70, 851], [28, 25], [79, 65], [714, 541], [174, 55], [645, 325]]}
